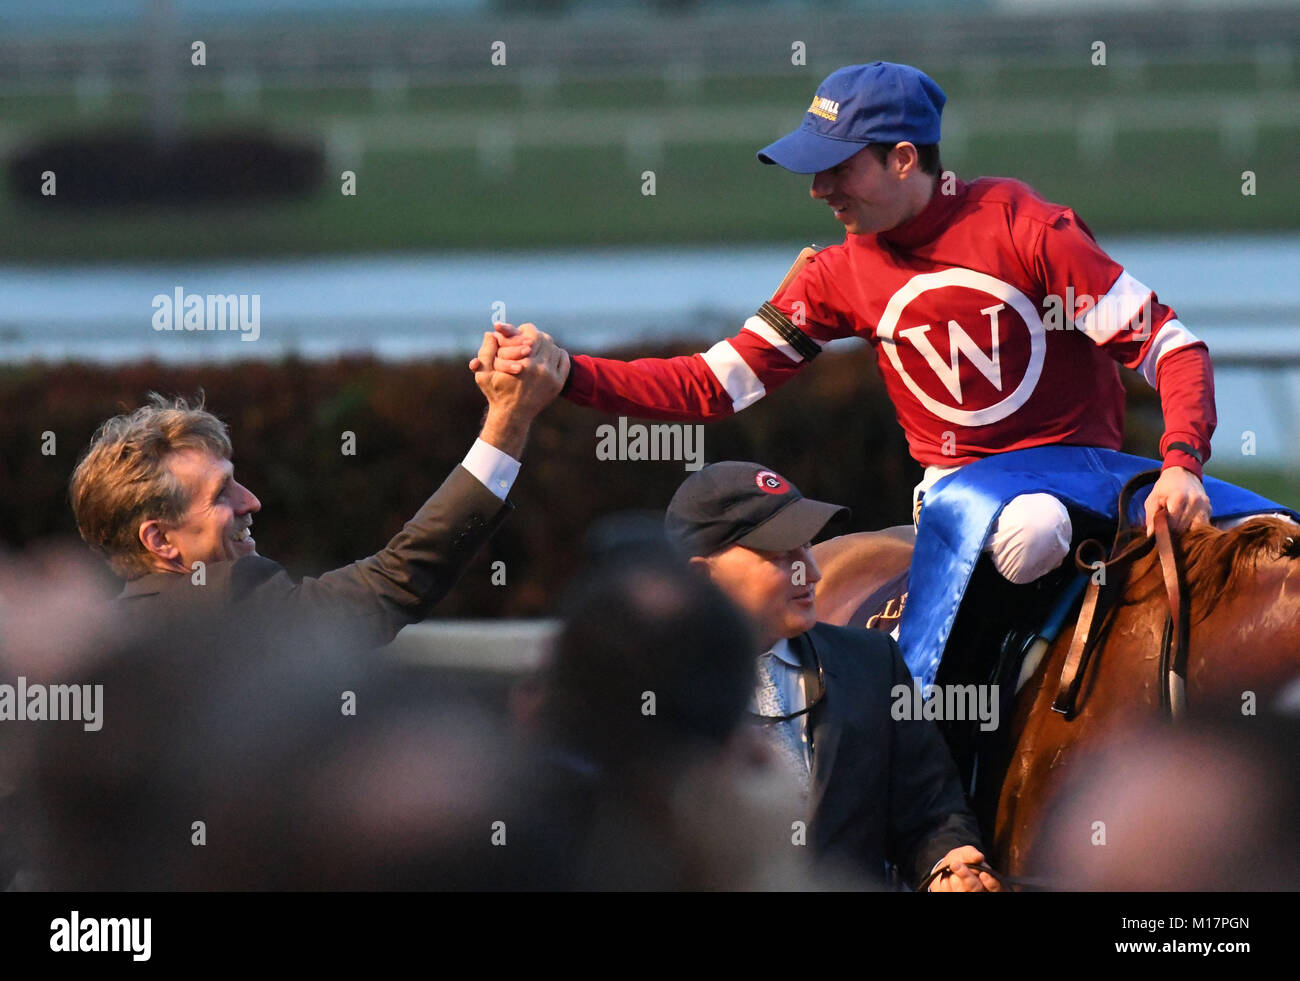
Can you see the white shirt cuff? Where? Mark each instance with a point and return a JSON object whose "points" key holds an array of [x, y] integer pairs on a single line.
{"points": [[495, 470]]}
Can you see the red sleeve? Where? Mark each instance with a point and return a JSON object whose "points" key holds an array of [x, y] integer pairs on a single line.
{"points": [[732, 375], [651, 388], [1123, 316], [1185, 381]]}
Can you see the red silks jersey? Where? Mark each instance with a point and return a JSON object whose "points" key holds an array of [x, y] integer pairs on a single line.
{"points": [[997, 321]]}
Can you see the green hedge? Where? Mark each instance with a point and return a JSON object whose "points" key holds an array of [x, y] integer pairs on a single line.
{"points": [[832, 431]]}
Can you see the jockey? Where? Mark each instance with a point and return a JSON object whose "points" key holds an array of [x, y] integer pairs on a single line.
{"points": [[997, 319]]}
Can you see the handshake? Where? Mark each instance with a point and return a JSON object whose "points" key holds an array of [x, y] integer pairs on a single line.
{"points": [[519, 370]]}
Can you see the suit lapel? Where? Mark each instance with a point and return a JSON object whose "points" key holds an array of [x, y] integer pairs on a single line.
{"points": [[824, 718], [841, 761]]}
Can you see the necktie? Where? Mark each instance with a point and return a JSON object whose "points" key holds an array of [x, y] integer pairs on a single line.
{"points": [[783, 736]]}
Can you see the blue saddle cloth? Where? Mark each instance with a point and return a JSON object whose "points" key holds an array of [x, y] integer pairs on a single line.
{"points": [[959, 512]]}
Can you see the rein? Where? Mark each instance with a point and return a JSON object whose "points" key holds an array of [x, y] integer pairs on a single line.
{"points": [[1131, 543]]}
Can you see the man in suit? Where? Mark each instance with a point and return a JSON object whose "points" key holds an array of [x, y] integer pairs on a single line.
{"points": [[156, 494], [878, 790]]}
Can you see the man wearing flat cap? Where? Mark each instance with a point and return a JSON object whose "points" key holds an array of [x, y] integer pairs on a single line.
{"points": [[878, 790]]}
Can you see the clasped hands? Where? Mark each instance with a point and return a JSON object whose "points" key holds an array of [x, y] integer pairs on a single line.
{"points": [[519, 370], [518, 352], [512, 350]]}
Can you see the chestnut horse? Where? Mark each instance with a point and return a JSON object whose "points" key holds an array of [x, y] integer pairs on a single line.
{"points": [[1244, 645]]}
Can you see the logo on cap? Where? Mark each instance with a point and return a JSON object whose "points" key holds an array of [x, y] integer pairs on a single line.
{"points": [[824, 107], [770, 483]]}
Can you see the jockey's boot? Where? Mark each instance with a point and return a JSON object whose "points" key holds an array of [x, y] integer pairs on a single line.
{"points": [[990, 608], [997, 621]]}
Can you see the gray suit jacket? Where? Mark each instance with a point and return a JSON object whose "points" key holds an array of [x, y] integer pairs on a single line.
{"points": [[368, 601], [881, 790]]}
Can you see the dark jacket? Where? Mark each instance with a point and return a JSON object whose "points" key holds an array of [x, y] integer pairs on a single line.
{"points": [[369, 601], [881, 790]]}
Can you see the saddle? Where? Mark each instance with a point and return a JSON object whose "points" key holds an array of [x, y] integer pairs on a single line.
{"points": [[883, 609], [960, 511], [1001, 628]]}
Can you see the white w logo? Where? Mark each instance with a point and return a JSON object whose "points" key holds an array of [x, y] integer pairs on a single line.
{"points": [[960, 342]]}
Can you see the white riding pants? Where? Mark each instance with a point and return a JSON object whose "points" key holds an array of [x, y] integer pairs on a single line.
{"points": [[1030, 538]]}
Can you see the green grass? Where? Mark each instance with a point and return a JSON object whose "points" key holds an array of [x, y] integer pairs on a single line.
{"points": [[505, 90], [1154, 182], [570, 197]]}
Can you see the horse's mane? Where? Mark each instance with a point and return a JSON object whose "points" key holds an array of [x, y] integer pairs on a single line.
{"points": [[1215, 561]]}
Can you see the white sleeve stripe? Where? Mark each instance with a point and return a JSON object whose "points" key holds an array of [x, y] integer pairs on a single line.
{"points": [[734, 375], [1170, 337], [759, 326], [1114, 311]]}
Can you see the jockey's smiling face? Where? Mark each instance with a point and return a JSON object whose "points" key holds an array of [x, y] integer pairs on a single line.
{"points": [[774, 588], [870, 197]]}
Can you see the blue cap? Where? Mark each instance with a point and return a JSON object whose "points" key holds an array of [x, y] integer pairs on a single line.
{"points": [[876, 103]]}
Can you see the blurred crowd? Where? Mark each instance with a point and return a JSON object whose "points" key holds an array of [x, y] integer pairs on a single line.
{"points": [[228, 760], [237, 755]]}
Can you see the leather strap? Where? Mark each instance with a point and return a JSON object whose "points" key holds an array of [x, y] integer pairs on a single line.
{"points": [[1175, 588], [1080, 643], [1128, 548], [1085, 633]]}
